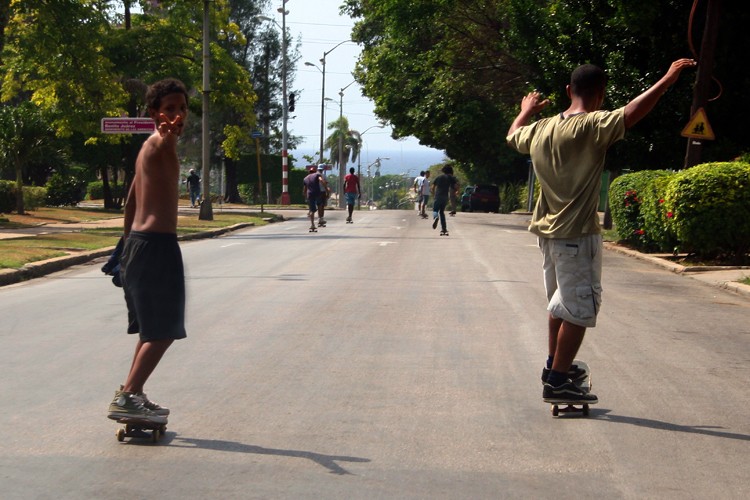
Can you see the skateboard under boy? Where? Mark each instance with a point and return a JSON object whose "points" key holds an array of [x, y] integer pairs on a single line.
{"points": [[583, 383], [141, 429]]}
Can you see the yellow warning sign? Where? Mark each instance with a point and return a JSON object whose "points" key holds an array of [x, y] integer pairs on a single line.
{"points": [[698, 127]]}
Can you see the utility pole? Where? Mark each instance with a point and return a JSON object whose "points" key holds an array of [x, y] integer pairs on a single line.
{"points": [[206, 212], [703, 76], [285, 199]]}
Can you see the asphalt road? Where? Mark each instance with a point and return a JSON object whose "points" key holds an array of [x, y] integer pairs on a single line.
{"points": [[377, 360]]}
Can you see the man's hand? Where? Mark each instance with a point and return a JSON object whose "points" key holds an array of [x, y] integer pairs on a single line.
{"points": [[531, 104], [169, 127]]}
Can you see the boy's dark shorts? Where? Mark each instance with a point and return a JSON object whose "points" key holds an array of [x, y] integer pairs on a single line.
{"points": [[153, 279]]}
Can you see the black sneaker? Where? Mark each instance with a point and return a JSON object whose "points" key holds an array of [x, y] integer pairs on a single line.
{"points": [[569, 393], [435, 223], [575, 374]]}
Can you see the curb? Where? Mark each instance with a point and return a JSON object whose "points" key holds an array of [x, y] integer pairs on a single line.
{"points": [[733, 286], [44, 267]]}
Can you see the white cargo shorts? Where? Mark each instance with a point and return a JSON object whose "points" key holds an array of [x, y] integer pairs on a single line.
{"points": [[573, 278]]}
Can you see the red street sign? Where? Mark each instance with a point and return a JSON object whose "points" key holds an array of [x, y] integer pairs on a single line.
{"points": [[128, 125]]}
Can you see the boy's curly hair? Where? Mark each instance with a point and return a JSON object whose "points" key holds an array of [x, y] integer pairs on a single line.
{"points": [[163, 88]]}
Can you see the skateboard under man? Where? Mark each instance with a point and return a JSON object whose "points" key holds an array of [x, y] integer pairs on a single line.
{"points": [[583, 383], [141, 429]]}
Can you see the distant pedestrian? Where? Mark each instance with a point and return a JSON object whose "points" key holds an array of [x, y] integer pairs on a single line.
{"points": [[568, 152], [442, 187], [418, 190], [193, 182], [152, 272], [424, 191], [352, 191]]}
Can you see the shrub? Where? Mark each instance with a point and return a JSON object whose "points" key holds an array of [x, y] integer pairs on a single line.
{"points": [[509, 197], [34, 197], [7, 196], [247, 193], [710, 207], [95, 190], [625, 198], [63, 190]]}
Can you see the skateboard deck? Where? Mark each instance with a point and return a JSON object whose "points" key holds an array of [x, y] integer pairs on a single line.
{"points": [[141, 429], [312, 230], [444, 233], [572, 406]]}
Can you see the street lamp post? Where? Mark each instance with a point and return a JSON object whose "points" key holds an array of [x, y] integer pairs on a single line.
{"points": [[323, 93], [342, 167], [359, 158], [376, 162]]}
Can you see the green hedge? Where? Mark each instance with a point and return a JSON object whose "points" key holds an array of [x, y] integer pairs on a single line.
{"points": [[710, 209], [33, 197], [95, 190], [7, 196]]}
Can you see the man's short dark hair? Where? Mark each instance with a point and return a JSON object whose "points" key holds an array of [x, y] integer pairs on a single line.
{"points": [[587, 81], [421, 173], [447, 170], [351, 170], [163, 88]]}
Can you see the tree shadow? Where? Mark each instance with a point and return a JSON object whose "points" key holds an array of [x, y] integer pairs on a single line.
{"points": [[330, 462], [706, 430]]}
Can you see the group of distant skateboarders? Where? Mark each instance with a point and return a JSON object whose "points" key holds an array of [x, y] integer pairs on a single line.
{"points": [[567, 151], [316, 192]]}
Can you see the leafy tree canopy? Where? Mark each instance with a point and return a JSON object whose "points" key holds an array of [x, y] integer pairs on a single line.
{"points": [[452, 72]]}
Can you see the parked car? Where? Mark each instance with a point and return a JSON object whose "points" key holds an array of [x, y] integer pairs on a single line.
{"points": [[482, 198]]}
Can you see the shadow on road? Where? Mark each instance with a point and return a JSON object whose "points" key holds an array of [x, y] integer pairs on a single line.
{"points": [[706, 430], [327, 461]]}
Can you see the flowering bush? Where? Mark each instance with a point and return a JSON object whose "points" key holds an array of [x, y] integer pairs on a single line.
{"points": [[625, 199], [656, 217]]}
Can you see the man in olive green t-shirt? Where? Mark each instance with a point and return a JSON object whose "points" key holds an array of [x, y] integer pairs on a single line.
{"points": [[568, 153]]}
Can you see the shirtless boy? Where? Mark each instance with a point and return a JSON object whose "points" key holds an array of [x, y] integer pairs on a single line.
{"points": [[151, 264]]}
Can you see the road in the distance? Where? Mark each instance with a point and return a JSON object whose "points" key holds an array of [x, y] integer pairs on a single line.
{"points": [[377, 360]]}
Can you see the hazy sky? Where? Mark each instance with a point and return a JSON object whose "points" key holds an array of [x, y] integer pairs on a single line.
{"points": [[319, 27]]}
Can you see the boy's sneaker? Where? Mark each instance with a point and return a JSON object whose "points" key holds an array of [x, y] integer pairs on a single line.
{"points": [[154, 407], [435, 223], [567, 392], [575, 374], [129, 405]]}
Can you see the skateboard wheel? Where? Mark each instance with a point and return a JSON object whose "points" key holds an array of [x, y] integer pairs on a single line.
{"points": [[120, 433], [585, 410], [555, 410], [155, 435]]}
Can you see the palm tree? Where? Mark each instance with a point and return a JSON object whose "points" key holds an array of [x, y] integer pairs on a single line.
{"points": [[25, 138], [349, 139]]}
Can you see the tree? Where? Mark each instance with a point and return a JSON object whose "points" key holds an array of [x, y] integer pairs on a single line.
{"points": [[25, 138], [341, 135], [452, 73]]}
